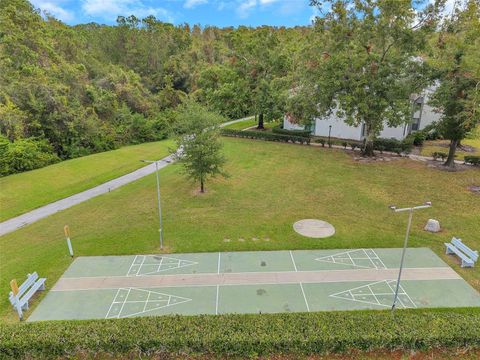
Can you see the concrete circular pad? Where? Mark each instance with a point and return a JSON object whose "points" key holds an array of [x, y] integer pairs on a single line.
{"points": [[314, 228]]}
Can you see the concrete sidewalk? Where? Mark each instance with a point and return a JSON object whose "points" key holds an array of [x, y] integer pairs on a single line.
{"points": [[44, 211]]}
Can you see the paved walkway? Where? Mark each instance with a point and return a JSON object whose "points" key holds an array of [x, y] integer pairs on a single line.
{"points": [[250, 278], [50, 209]]}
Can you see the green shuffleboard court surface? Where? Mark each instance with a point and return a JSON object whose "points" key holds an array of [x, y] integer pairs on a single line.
{"points": [[252, 282]]}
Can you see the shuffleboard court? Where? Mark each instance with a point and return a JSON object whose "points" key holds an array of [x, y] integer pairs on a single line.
{"points": [[252, 282]]}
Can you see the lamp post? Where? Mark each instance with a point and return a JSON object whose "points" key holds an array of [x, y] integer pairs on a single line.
{"points": [[329, 132], [410, 216], [160, 230]]}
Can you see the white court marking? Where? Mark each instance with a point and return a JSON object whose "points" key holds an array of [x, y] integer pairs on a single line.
{"points": [[381, 297], [362, 258], [154, 264], [154, 300]]}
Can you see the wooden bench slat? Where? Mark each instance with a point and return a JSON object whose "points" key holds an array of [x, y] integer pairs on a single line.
{"points": [[464, 248], [25, 298], [466, 261], [25, 292]]}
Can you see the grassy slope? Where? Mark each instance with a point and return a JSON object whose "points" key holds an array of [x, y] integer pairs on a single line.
{"points": [[26, 191], [271, 186]]}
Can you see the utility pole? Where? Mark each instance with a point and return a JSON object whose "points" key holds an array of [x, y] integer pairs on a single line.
{"points": [[410, 210], [160, 230]]}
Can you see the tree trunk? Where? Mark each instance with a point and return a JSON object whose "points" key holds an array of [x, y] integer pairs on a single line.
{"points": [[451, 154], [368, 145], [202, 188], [260, 122]]}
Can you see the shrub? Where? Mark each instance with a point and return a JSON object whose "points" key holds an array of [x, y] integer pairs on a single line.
{"points": [[393, 145], [24, 155], [353, 145], [303, 133], [264, 135], [240, 336], [321, 141], [344, 144], [418, 137], [439, 154], [473, 160]]}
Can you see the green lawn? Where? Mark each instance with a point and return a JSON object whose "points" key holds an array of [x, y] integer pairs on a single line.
{"points": [[242, 125], [442, 146], [26, 191], [270, 187]]}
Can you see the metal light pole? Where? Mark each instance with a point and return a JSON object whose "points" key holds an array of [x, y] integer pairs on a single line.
{"points": [[158, 199], [410, 216], [329, 132]]}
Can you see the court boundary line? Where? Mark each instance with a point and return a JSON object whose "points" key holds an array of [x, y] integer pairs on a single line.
{"points": [[179, 261], [304, 297], [170, 296], [387, 281], [111, 305], [352, 260], [293, 261]]}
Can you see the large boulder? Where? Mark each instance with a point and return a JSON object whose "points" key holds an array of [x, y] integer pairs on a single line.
{"points": [[432, 226]]}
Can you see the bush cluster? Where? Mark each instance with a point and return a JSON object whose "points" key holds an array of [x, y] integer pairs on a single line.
{"points": [[245, 335], [264, 135], [24, 155], [393, 145], [473, 160], [439, 155], [303, 133]]}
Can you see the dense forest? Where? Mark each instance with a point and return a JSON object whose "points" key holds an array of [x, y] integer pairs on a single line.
{"points": [[69, 91]]}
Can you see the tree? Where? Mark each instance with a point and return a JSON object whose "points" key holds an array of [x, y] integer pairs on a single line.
{"points": [[260, 61], [362, 64], [199, 148], [455, 57]]}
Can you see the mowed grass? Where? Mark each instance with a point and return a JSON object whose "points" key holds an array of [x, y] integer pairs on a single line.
{"points": [[442, 146], [248, 123], [270, 187], [23, 192]]}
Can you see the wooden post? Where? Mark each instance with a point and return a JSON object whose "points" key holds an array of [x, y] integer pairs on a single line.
{"points": [[14, 286], [66, 230]]}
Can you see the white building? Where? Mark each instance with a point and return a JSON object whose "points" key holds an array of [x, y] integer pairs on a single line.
{"points": [[422, 116]]}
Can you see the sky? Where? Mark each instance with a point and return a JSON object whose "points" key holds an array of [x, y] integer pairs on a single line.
{"points": [[219, 13]]}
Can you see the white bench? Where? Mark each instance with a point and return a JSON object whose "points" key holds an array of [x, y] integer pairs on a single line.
{"points": [[467, 255], [19, 301]]}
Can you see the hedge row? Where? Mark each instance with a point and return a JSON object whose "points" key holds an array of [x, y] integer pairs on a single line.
{"points": [[264, 135], [302, 133], [246, 335], [393, 145]]}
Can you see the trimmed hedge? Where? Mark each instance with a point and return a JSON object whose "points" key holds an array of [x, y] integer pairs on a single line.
{"points": [[393, 145], [302, 133], [473, 160], [264, 135], [246, 335]]}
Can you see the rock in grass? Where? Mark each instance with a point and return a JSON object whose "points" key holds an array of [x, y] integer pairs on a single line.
{"points": [[432, 226]]}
